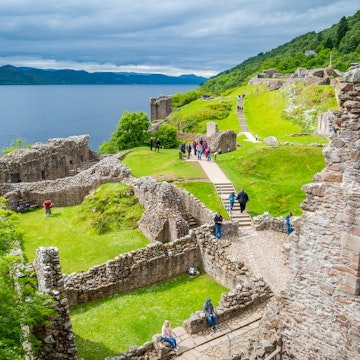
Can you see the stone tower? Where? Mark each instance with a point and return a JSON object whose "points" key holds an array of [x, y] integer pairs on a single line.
{"points": [[160, 107]]}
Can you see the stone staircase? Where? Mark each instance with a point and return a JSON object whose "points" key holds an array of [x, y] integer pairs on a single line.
{"points": [[224, 190]]}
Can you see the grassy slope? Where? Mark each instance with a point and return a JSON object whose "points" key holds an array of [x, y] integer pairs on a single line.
{"points": [[80, 247], [164, 165], [110, 326]]}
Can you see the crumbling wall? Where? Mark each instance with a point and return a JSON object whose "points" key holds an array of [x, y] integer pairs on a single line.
{"points": [[58, 340], [160, 108], [133, 270], [224, 141], [70, 190], [155, 263], [233, 303], [167, 210], [320, 316], [49, 161]]}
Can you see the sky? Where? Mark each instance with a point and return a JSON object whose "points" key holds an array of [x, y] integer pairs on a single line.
{"points": [[172, 37]]}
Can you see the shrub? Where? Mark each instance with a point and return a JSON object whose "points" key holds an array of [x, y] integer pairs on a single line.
{"points": [[167, 136]]}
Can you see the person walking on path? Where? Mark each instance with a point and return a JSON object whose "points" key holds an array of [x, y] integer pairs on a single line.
{"points": [[47, 206], [157, 144], [289, 227], [188, 149], [218, 225], [168, 335], [209, 310], [242, 198], [232, 198]]}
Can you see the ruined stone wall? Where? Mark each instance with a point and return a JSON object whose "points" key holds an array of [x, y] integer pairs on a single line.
{"points": [[70, 190], [58, 340], [133, 270], [160, 108], [221, 140], [251, 292], [167, 210], [155, 263], [321, 316], [48, 161]]}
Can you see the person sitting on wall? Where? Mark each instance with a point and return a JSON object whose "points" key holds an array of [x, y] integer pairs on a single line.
{"points": [[209, 310], [168, 335]]}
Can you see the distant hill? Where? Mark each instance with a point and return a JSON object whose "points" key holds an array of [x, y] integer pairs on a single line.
{"points": [[11, 75], [340, 43]]}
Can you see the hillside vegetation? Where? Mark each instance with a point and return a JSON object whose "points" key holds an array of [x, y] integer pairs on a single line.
{"points": [[341, 41]]}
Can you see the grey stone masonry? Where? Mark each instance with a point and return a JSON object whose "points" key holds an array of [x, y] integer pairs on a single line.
{"points": [[321, 317], [58, 340], [48, 161]]}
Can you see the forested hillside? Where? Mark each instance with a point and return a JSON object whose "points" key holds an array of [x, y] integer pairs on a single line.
{"points": [[341, 43]]}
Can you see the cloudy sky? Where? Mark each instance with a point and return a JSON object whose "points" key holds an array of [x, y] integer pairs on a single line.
{"points": [[173, 37]]}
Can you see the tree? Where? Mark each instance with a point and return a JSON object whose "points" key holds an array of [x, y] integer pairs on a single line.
{"points": [[341, 30], [20, 303], [167, 136], [131, 132]]}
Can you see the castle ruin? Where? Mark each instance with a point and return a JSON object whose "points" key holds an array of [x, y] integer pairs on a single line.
{"points": [[318, 315]]}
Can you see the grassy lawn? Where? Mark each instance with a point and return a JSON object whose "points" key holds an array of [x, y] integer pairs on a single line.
{"points": [[80, 245], [206, 193], [164, 165], [109, 326], [272, 177]]}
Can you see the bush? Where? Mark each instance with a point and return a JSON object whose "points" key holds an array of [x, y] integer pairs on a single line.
{"points": [[167, 136], [131, 132]]}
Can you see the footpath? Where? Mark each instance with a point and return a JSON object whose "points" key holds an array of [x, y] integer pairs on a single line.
{"points": [[263, 253]]}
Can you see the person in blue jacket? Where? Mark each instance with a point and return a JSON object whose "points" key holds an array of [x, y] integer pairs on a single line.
{"points": [[209, 310], [289, 227], [232, 198]]}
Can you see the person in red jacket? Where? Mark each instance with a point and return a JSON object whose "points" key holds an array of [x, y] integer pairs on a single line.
{"points": [[47, 206]]}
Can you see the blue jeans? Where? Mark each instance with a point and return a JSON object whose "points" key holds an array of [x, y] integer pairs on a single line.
{"points": [[171, 341], [290, 229], [218, 231], [212, 320]]}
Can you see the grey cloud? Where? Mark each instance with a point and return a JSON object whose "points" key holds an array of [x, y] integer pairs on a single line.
{"points": [[191, 34]]}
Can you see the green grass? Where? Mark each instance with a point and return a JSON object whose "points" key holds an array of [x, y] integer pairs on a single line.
{"points": [[272, 176], [164, 165], [206, 193], [200, 112], [80, 246], [109, 326]]}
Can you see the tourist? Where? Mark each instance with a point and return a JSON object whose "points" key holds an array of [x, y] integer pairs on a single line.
{"points": [[183, 148], [194, 146], [151, 143], [199, 150], [47, 206], [242, 198], [232, 198], [168, 335], [157, 144], [208, 309], [188, 150], [218, 219], [289, 227]]}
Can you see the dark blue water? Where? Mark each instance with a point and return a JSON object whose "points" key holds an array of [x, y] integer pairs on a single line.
{"points": [[38, 113]]}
